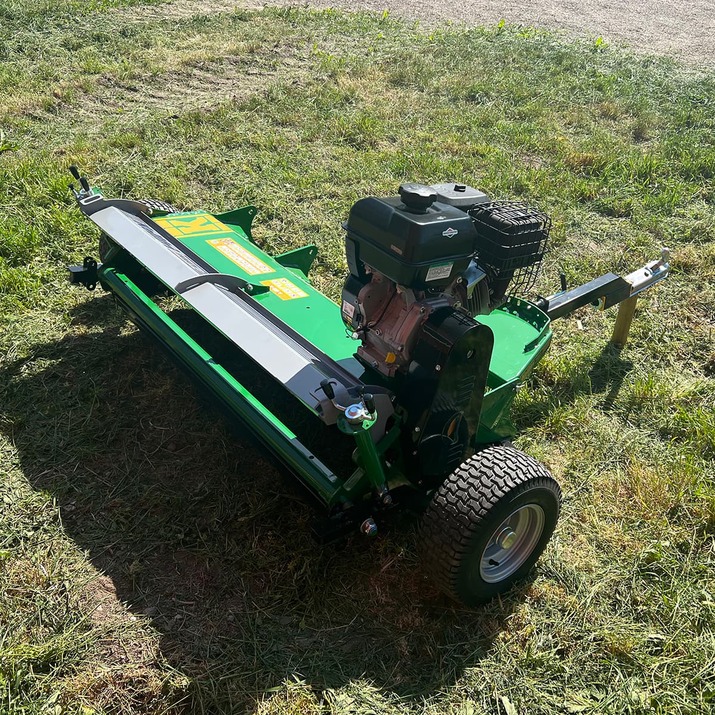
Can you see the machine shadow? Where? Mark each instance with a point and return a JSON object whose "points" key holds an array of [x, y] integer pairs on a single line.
{"points": [[604, 377], [607, 374], [201, 535]]}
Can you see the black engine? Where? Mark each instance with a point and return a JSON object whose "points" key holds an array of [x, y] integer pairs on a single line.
{"points": [[422, 265]]}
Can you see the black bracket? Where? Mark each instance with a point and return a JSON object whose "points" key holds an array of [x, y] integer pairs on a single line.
{"points": [[327, 529], [86, 274], [232, 283], [604, 291], [90, 204]]}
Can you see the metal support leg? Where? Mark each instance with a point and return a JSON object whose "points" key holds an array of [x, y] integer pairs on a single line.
{"points": [[371, 462], [624, 319], [368, 456]]}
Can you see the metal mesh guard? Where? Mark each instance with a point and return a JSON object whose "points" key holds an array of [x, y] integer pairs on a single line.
{"points": [[512, 238]]}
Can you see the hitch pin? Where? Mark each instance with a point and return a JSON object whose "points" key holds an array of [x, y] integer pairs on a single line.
{"points": [[356, 412], [650, 274]]}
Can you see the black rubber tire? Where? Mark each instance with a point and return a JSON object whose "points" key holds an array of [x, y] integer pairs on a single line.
{"points": [[470, 506]]}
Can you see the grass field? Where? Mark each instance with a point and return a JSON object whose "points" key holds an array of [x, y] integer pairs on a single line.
{"points": [[151, 561]]}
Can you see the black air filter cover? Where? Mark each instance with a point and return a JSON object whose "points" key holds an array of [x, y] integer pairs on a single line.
{"points": [[418, 248], [511, 234]]}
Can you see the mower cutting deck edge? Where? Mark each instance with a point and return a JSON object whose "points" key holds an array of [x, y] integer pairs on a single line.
{"points": [[407, 384]]}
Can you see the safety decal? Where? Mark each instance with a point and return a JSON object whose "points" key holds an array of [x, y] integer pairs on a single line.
{"points": [[243, 258], [190, 225], [284, 289]]}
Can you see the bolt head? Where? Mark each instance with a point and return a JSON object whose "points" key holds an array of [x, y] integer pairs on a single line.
{"points": [[356, 413], [369, 527]]}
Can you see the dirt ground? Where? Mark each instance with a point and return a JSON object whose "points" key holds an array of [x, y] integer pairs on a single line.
{"points": [[681, 28]]}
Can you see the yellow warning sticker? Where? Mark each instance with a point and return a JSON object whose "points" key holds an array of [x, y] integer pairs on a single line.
{"points": [[284, 289], [243, 258], [192, 225]]}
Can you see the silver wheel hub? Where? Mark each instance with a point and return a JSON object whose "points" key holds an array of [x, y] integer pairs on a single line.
{"points": [[511, 544], [507, 538]]}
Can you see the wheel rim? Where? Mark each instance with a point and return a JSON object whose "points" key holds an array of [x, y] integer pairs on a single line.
{"points": [[512, 543]]}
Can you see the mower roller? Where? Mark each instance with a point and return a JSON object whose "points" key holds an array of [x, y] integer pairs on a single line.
{"points": [[399, 397]]}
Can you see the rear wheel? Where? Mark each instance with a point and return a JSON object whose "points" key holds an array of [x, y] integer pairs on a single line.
{"points": [[488, 523]]}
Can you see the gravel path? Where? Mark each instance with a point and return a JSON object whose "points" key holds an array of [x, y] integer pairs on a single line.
{"points": [[684, 29]]}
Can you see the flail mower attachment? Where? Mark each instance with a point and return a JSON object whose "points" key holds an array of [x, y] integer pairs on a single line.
{"points": [[400, 395]]}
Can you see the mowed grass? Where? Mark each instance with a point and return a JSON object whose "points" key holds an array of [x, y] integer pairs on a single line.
{"points": [[153, 561]]}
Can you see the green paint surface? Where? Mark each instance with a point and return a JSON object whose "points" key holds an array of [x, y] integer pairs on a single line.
{"points": [[310, 313], [521, 334]]}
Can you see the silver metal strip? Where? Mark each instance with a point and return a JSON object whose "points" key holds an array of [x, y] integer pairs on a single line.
{"points": [[289, 362], [650, 274]]}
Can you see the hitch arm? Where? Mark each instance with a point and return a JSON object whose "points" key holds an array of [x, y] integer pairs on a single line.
{"points": [[609, 290], [604, 291]]}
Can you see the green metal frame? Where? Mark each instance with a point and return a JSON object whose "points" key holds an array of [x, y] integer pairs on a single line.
{"points": [[236, 397], [521, 336], [300, 259]]}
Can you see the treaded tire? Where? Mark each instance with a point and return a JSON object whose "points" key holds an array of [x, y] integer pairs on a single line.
{"points": [[468, 512]]}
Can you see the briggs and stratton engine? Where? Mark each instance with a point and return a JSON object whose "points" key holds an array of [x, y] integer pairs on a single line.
{"points": [[422, 265], [430, 248]]}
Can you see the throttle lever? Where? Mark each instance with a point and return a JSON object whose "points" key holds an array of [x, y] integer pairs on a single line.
{"points": [[82, 179], [328, 389]]}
